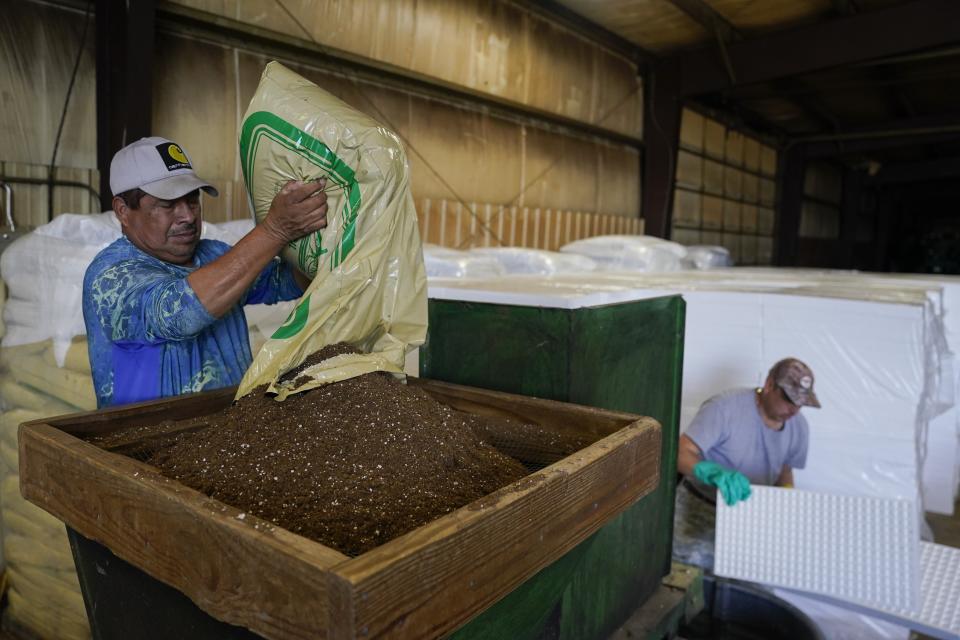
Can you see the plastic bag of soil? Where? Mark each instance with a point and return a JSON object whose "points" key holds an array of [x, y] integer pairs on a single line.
{"points": [[369, 283]]}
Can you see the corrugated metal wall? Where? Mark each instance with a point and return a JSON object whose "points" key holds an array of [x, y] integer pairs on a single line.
{"points": [[38, 45]]}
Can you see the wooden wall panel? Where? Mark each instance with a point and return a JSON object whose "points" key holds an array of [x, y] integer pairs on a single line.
{"points": [[479, 44], [201, 91], [559, 172], [570, 173], [38, 45], [597, 85], [492, 46], [30, 205], [451, 224], [453, 153], [29, 201], [195, 104], [618, 180], [480, 157]]}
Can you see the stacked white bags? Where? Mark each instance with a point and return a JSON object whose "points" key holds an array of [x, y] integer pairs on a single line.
{"points": [[638, 254], [441, 262], [515, 260], [46, 372], [630, 253]]}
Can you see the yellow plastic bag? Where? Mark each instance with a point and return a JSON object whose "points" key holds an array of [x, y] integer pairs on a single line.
{"points": [[369, 285]]}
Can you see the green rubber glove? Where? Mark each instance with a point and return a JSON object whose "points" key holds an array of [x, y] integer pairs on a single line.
{"points": [[733, 485]]}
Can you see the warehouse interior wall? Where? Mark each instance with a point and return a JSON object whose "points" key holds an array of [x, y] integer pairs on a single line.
{"points": [[38, 47], [725, 189], [528, 182]]}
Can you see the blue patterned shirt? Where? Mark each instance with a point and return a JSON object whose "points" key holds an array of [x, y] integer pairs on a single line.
{"points": [[150, 337]]}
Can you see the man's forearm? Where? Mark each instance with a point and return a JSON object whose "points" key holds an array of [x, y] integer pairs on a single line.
{"points": [[220, 284], [786, 477], [688, 455]]}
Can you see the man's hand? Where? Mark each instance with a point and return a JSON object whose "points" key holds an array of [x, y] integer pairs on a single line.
{"points": [[298, 209], [733, 485]]}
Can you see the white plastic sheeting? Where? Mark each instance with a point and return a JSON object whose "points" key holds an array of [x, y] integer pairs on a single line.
{"points": [[43, 272], [441, 262], [941, 469], [630, 253], [637, 254], [940, 446], [515, 260], [869, 359], [707, 257], [878, 352]]}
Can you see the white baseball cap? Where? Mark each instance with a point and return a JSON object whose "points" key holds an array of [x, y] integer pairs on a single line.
{"points": [[157, 166]]}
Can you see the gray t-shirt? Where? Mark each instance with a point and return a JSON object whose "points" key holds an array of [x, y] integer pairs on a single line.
{"points": [[728, 429]]}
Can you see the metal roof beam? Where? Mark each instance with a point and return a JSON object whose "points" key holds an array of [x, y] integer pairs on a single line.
{"points": [[920, 171], [903, 28], [708, 18], [714, 23], [556, 12]]}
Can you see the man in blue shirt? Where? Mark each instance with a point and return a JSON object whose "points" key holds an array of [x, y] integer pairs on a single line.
{"points": [[163, 308]]}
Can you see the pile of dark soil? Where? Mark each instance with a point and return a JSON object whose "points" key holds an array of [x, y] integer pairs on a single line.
{"points": [[352, 464]]}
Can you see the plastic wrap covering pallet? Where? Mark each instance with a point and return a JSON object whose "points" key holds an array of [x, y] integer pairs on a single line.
{"points": [[858, 553], [863, 550], [877, 347], [941, 450]]}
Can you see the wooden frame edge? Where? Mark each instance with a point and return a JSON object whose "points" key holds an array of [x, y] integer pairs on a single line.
{"points": [[196, 561]]}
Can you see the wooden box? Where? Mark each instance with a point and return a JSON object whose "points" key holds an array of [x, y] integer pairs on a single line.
{"points": [[249, 573]]}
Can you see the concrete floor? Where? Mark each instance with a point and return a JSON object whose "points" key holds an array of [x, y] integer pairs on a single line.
{"points": [[946, 529]]}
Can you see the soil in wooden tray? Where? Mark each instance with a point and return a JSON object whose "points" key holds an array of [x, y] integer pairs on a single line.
{"points": [[352, 464]]}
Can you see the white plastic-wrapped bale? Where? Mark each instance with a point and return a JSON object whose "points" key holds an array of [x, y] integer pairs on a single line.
{"points": [[45, 371], [630, 253], [518, 260], [442, 262], [707, 257]]}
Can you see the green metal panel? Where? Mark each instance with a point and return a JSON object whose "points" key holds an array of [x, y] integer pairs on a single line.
{"points": [[626, 357]]}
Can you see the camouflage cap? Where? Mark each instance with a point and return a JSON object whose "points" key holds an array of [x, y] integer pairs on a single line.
{"points": [[796, 380]]}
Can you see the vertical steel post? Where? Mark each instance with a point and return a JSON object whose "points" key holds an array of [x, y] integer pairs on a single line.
{"points": [[661, 137], [125, 51]]}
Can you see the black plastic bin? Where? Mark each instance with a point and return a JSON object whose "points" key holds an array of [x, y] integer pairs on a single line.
{"points": [[740, 611]]}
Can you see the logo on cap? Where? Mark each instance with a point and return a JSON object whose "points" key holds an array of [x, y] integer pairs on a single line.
{"points": [[173, 156]]}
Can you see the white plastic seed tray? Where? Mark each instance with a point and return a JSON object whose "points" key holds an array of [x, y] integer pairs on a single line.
{"points": [[939, 614], [939, 593], [858, 549]]}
